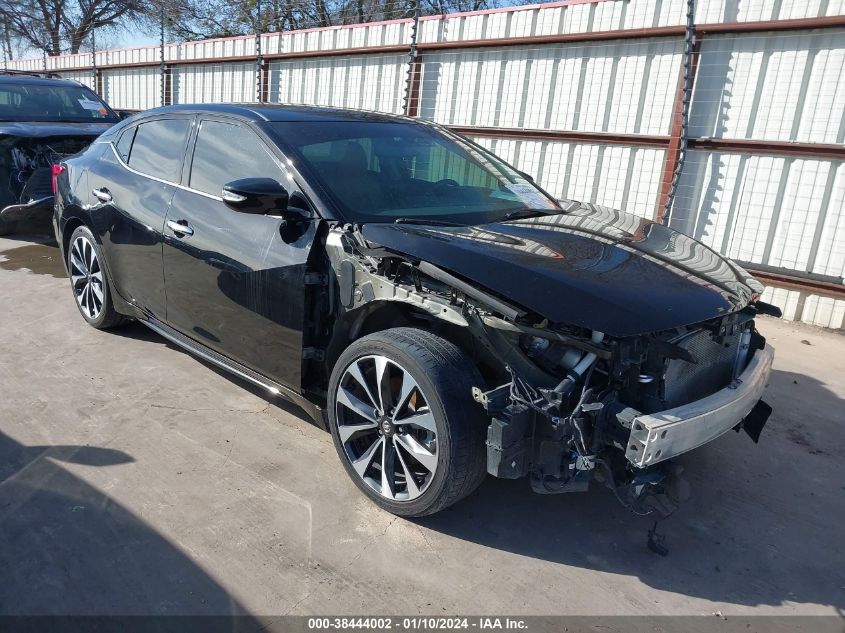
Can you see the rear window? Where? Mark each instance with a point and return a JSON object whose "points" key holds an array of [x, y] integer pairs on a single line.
{"points": [[52, 102], [158, 147]]}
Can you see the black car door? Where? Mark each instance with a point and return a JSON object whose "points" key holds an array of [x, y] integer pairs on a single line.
{"points": [[233, 282], [131, 188]]}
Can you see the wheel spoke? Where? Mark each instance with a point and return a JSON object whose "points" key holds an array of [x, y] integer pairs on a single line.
{"points": [[418, 451], [382, 388], [357, 405], [76, 261], [424, 420], [363, 462], [347, 431], [86, 255], [355, 371], [407, 387], [411, 484], [388, 465], [98, 291], [91, 307]]}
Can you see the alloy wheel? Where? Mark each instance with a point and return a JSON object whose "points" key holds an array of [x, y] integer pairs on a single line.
{"points": [[386, 428], [86, 277]]}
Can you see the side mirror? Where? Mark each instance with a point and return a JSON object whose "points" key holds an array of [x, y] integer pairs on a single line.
{"points": [[125, 114], [256, 195]]}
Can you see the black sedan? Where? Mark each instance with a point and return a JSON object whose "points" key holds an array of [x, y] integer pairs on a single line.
{"points": [[438, 312]]}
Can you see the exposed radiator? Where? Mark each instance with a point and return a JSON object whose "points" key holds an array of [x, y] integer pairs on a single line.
{"points": [[684, 382]]}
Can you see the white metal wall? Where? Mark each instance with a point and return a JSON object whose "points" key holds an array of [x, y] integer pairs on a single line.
{"points": [[788, 87], [368, 82], [784, 212], [626, 87], [615, 176]]}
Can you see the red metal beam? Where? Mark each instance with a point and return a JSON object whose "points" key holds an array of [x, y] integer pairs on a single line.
{"points": [[721, 28], [564, 136], [805, 284], [779, 148]]}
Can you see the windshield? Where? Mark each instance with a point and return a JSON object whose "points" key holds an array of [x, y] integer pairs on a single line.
{"points": [[385, 171], [52, 102]]}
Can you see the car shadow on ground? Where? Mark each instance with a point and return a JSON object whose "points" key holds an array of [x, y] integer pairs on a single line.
{"points": [[758, 530], [74, 550], [750, 534]]}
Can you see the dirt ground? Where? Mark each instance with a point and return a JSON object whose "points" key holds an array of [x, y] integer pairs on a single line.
{"points": [[135, 479]]}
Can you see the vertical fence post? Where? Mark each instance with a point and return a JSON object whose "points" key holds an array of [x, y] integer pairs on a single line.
{"points": [[677, 150], [412, 80], [94, 73], [259, 60], [162, 69]]}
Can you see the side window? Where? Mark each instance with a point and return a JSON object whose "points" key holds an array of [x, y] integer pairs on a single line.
{"points": [[158, 148], [226, 152], [124, 143]]}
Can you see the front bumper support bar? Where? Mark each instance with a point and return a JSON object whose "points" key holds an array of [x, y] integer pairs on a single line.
{"points": [[656, 437]]}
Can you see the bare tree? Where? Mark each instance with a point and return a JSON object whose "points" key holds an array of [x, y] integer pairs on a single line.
{"points": [[60, 26]]}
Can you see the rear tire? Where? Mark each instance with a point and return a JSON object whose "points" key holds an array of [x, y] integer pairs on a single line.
{"points": [[413, 441], [89, 282]]}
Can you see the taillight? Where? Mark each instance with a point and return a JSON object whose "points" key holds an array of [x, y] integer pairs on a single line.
{"points": [[55, 171]]}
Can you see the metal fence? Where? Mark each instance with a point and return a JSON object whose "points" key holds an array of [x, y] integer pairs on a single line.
{"points": [[723, 118]]}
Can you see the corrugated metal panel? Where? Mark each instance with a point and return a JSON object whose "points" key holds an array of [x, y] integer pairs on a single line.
{"points": [[137, 55], [627, 87], [213, 48], [712, 11], [823, 311], [775, 211], [209, 83], [786, 87], [553, 19], [807, 307], [132, 88], [625, 178], [786, 299], [85, 77], [368, 82]]}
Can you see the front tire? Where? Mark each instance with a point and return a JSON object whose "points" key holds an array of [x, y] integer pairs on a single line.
{"points": [[404, 423], [89, 282]]}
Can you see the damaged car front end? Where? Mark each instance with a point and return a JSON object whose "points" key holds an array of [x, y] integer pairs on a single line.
{"points": [[608, 344], [43, 119]]}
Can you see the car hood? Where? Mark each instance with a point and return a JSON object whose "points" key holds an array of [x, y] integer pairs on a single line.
{"points": [[38, 129], [592, 267]]}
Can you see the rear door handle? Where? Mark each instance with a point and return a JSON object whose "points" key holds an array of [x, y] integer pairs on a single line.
{"points": [[180, 227], [102, 194]]}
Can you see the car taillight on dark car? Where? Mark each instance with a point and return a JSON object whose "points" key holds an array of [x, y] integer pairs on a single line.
{"points": [[55, 171]]}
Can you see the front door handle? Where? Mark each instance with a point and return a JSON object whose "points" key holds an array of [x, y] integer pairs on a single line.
{"points": [[180, 227], [102, 194]]}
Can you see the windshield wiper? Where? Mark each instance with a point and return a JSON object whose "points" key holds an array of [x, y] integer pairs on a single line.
{"points": [[427, 221], [521, 214]]}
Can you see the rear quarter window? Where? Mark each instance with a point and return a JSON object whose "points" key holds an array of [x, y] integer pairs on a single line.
{"points": [[158, 148]]}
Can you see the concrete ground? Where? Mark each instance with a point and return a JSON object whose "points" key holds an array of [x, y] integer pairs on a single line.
{"points": [[135, 479]]}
